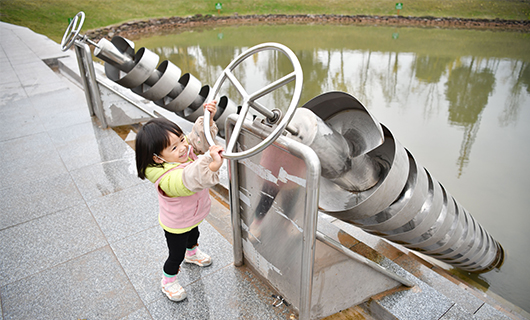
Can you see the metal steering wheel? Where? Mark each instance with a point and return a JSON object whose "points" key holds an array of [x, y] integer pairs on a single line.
{"points": [[72, 31], [249, 100]]}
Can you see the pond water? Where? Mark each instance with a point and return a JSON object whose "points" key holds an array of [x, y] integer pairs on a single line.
{"points": [[459, 100]]}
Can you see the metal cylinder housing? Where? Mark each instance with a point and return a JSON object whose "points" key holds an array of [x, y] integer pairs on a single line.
{"points": [[164, 85], [406, 205]]}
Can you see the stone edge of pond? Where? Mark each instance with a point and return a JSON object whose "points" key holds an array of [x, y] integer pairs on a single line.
{"points": [[135, 29]]}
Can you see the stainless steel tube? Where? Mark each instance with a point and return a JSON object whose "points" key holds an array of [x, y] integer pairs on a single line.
{"points": [[406, 205]]}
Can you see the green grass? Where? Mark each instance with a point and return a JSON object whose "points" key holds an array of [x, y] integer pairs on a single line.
{"points": [[50, 17]]}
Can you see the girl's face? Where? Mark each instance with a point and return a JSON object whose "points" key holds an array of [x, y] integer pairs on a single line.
{"points": [[177, 151]]}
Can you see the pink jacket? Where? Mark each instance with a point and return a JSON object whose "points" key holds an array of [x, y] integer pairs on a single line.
{"points": [[183, 212]]}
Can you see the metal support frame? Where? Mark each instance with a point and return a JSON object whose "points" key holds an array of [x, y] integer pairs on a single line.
{"points": [[309, 233], [88, 78], [310, 217], [357, 257]]}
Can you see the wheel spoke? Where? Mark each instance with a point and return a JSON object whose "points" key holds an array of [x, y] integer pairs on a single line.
{"points": [[273, 86], [237, 128], [237, 84]]}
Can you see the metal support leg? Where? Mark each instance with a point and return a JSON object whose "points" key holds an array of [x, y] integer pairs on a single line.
{"points": [[88, 77]]}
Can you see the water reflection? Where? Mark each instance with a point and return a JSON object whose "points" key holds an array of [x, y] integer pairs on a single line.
{"points": [[467, 90], [465, 83], [455, 98], [519, 82]]}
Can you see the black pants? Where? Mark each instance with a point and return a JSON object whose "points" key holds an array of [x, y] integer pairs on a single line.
{"points": [[177, 245]]}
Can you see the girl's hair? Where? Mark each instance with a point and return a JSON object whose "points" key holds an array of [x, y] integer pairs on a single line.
{"points": [[152, 138]]}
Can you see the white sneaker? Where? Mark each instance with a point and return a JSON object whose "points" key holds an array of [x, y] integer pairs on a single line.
{"points": [[199, 258], [173, 290]]}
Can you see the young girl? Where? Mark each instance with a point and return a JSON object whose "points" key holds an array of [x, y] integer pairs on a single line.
{"points": [[166, 157]]}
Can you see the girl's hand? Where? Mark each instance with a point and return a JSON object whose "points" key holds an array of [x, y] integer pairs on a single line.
{"points": [[212, 108], [215, 153]]}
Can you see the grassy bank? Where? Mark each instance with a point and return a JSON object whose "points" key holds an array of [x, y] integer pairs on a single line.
{"points": [[50, 17]]}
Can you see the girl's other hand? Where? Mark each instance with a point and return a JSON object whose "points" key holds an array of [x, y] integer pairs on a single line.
{"points": [[216, 154], [212, 108]]}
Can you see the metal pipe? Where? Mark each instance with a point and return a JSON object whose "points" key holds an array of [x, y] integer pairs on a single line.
{"points": [[357, 257], [109, 53], [309, 235], [84, 57], [234, 200]]}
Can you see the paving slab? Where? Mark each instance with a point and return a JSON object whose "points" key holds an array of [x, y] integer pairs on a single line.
{"points": [[229, 293], [85, 144], [103, 178], [418, 303], [39, 198], [46, 242], [93, 286], [142, 257], [29, 158]]}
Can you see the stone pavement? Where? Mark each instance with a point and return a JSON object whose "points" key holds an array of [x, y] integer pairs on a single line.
{"points": [[79, 236]]}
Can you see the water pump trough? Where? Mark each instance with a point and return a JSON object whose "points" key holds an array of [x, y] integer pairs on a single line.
{"points": [[330, 155]]}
